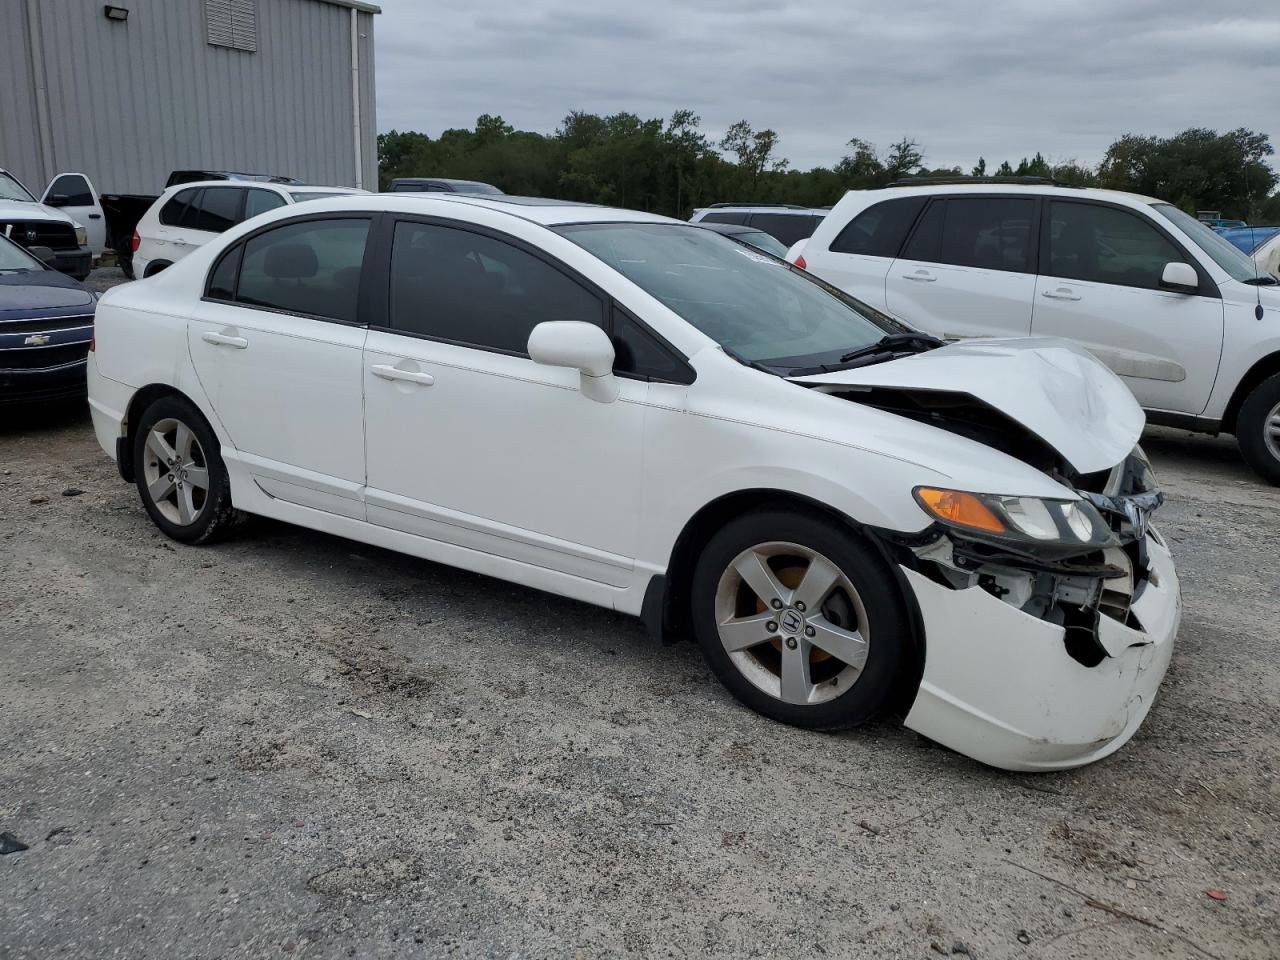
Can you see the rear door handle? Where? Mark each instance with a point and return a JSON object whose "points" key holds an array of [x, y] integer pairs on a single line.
{"points": [[224, 340], [95, 216], [1062, 293], [920, 276], [388, 372]]}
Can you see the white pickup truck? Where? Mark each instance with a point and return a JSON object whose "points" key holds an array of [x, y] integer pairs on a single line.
{"points": [[67, 219]]}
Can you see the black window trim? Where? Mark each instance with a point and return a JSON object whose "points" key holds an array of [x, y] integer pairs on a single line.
{"points": [[1208, 286], [363, 295], [1034, 245], [380, 301]]}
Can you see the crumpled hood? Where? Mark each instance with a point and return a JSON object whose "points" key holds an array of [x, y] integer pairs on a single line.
{"points": [[1054, 388]]}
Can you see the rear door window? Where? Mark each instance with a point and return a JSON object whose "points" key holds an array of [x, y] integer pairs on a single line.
{"points": [[786, 227], [177, 207], [879, 230], [725, 217], [991, 233], [219, 209], [312, 267]]}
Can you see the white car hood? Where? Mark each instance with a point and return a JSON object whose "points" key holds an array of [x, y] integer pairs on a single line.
{"points": [[24, 210], [1054, 388]]}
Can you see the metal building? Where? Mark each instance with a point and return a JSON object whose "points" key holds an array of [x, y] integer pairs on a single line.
{"points": [[127, 92]]}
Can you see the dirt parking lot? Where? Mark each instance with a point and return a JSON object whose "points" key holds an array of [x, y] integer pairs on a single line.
{"points": [[294, 745]]}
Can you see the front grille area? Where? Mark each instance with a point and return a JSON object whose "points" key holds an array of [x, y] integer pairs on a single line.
{"points": [[43, 358], [46, 326], [40, 233]]}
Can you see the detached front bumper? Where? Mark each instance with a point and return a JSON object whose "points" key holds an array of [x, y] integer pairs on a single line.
{"points": [[1000, 686]]}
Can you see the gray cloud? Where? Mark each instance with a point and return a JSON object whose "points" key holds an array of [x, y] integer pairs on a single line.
{"points": [[1000, 79]]}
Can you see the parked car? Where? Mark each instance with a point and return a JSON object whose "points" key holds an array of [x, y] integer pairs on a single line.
{"points": [[186, 217], [851, 518], [440, 185], [748, 235], [1267, 257], [30, 223], [1248, 239], [1159, 297], [784, 221], [46, 324]]}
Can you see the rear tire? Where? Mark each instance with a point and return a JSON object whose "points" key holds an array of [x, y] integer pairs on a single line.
{"points": [[1258, 429], [179, 472], [800, 619]]}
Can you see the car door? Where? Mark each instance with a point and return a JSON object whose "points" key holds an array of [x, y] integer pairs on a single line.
{"points": [[276, 343], [1100, 284], [471, 443], [967, 270], [74, 195], [859, 258]]}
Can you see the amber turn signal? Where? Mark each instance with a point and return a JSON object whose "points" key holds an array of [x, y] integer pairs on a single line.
{"points": [[962, 509]]}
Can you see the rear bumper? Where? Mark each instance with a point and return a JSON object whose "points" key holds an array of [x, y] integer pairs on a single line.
{"points": [[999, 685], [108, 406]]}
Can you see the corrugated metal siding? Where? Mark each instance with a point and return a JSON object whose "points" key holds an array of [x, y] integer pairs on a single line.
{"points": [[19, 132], [131, 101]]}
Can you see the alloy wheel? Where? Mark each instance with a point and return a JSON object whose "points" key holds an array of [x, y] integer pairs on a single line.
{"points": [[176, 472], [792, 623], [1271, 431]]}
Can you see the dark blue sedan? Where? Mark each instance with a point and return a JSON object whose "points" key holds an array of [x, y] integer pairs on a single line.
{"points": [[46, 323]]}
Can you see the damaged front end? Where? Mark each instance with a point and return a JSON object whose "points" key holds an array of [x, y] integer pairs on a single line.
{"points": [[1078, 564]]}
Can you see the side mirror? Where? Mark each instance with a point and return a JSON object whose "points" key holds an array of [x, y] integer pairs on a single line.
{"points": [[56, 200], [44, 254], [583, 346], [1180, 277]]}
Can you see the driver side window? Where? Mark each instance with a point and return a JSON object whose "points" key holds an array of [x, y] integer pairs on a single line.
{"points": [[1106, 245], [469, 288]]}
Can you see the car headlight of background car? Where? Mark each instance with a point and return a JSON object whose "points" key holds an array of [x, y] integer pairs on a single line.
{"points": [[1026, 520]]}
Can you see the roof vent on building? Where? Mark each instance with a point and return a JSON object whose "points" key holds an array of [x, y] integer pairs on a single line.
{"points": [[232, 23]]}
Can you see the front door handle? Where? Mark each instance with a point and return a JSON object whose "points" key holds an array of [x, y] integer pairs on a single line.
{"points": [[388, 372], [920, 276], [95, 216], [1062, 293], [224, 340]]}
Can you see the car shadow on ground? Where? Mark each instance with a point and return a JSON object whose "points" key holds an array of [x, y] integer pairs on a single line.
{"points": [[1197, 453]]}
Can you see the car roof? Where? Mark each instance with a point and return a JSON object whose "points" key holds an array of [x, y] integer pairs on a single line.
{"points": [[261, 184], [782, 208], [439, 180], [1033, 189], [541, 210], [726, 228]]}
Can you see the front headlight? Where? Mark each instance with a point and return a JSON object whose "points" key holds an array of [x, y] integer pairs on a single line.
{"points": [[1028, 519], [82, 236]]}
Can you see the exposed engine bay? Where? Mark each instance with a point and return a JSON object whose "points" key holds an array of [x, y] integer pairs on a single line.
{"points": [[1071, 582]]}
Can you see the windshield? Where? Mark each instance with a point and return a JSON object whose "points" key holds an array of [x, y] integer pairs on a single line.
{"points": [[11, 189], [13, 257], [1224, 253], [759, 309]]}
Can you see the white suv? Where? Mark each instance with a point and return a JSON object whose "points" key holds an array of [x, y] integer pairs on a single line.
{"points": [[189, 215], [1187, 320]]}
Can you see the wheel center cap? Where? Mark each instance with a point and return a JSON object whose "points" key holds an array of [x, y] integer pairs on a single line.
{"points": [[791, 621]]}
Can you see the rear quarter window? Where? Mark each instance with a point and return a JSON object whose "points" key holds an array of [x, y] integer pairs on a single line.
{"points": [[879, 230]]}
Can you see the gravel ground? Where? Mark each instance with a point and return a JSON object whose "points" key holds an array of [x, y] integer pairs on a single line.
{"points": [[294, 745]]}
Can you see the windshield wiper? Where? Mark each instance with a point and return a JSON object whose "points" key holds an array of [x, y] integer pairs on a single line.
{"points": [[894, 343], [1262, 281]]}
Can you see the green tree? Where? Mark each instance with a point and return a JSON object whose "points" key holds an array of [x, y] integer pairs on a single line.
{"points": [[904, 159]]}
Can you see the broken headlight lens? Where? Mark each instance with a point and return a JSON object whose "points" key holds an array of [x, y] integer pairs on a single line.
{"points": [[1029, 519]]}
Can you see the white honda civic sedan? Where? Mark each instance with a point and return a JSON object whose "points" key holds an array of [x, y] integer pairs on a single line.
{"points": [[851, 518]]}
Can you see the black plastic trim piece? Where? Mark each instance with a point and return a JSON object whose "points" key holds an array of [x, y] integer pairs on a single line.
{"points": [[124, 458]]}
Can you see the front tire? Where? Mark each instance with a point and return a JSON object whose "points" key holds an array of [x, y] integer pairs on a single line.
{"points": [[1258, 429], [179, 472], [800, 619]]}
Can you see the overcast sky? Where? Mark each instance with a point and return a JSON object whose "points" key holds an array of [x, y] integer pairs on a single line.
{"points": [[964, 79]]}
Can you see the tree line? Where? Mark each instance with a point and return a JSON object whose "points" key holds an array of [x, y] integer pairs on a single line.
{"points": [[672, 166]]}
